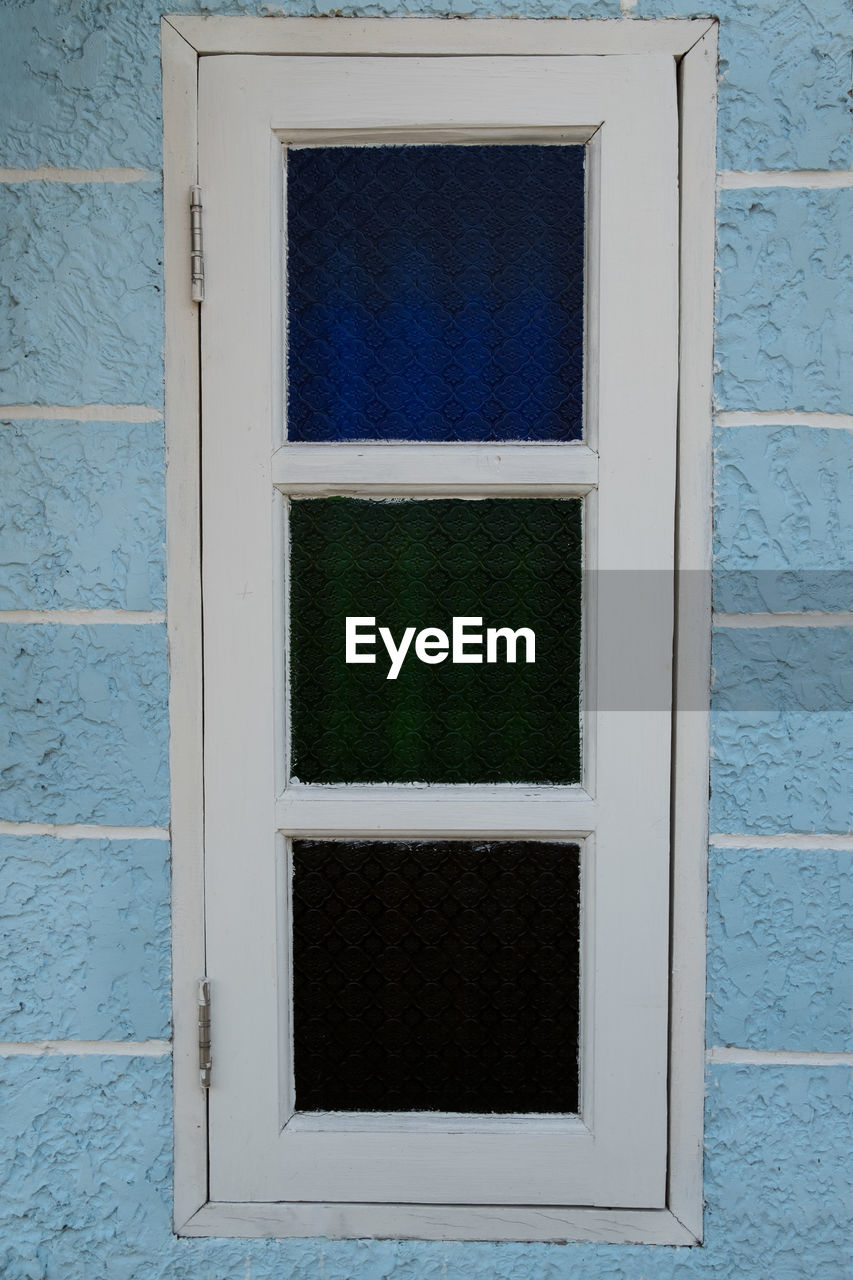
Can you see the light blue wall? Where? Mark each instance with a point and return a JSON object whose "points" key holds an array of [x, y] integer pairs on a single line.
{"points": [[783, 536], [81, 289], [83, 724], [780, 957], [84, 938], [786, 292], [85, 1141], [84, 516]]}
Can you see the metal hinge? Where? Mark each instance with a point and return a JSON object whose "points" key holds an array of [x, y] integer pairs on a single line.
{"points": [[204, 1062], [196, 246]]}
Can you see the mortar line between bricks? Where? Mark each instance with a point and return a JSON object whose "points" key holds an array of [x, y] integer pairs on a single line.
{"points": [[81, 412], [83, 617], [45, 173], [82, 831], [783, 418], [817, 618], [85, 1048], [777, 1057], [814, 179], [802, 840]]}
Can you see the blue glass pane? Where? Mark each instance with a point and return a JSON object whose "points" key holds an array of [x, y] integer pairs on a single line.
{"points": [[435, 293]]}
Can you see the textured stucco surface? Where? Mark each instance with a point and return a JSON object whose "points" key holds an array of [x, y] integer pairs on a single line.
{"points": [[86, 1150], [81, 293], [780, 949], [81, 84], [778, 1172], [82, 519], [783, 527], [84, 939], [83, 725], [86, 1172], [786, 772], [782, 730], [783, 668], [785, 74], [784, 298]]}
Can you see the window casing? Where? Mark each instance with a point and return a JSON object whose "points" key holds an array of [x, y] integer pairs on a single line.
{"points": [[614, 1150]]}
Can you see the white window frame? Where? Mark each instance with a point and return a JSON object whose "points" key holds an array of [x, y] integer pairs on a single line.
{"points": [[676, 1217]]}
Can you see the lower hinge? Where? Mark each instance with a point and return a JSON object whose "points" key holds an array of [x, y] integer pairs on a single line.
{"points": [[196, 246], [204, 1061]]}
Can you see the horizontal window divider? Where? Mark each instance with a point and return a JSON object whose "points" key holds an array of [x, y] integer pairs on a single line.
{"points": [[524, 135], [382, 812], [419, 1121], [433, 470]]}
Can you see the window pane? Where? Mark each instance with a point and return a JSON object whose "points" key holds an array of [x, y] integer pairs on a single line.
{"points": [[413, 566], [435, 976], [435, 292]]}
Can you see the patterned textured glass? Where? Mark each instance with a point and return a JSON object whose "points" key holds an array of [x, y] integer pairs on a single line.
{"points": [[512, 562], [435, 976], [435, 292]]}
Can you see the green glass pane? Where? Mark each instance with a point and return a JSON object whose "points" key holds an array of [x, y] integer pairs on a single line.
{"points": [[512, 563]]}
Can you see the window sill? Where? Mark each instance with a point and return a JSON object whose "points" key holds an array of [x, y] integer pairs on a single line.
{"points": [[438, 1222]]}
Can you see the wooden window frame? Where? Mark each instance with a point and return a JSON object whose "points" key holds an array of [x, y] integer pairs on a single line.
{"points": [[693, 45]]}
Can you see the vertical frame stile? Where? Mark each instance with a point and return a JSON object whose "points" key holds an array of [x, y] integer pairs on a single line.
{"points": [[691, 743], [183, 546], [240, 338]]}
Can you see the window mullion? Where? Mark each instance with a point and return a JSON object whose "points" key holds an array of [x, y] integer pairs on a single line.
{"points": [[463, 811], [450, 470]]}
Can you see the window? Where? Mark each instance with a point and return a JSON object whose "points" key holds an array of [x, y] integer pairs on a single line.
{"points": [[440, 402]]}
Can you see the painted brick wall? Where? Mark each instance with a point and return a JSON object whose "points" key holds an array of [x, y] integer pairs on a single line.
{"points": [[85, 1132]]}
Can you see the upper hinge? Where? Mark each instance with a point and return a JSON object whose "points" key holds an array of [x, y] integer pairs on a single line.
{"points": [[196, 246], [204, 1060]]}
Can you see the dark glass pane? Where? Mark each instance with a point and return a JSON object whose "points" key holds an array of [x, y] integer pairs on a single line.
{"points": [[435, 976], [435, 293], [511, 562]]}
